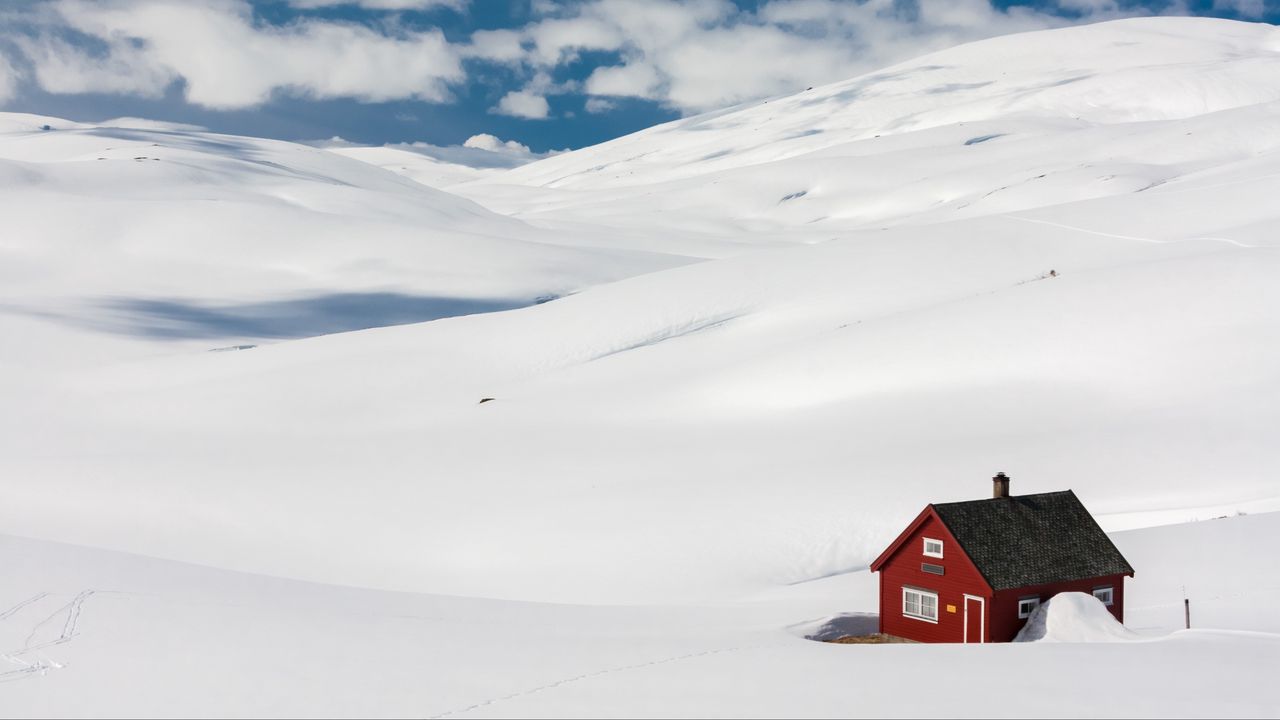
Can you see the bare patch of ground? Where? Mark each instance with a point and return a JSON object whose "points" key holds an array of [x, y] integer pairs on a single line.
{"points": [[872, 639]]}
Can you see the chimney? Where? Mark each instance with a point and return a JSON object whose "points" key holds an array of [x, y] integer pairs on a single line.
{"points": [[1000, 486]]}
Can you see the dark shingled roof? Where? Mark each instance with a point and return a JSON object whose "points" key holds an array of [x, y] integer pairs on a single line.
{"points": [[1032, 539]]}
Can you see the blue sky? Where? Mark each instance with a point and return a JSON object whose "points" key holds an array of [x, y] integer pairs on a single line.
{"points": [[550, 75]]}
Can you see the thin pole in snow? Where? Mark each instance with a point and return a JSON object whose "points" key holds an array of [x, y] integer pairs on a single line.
{"points": [[1186, 607]]}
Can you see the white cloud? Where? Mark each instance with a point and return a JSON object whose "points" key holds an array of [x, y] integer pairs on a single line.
{"points": [[482, 151], [228, 61], [485, 141], [495, 45], [8, 79], [636, 80], [543, 84], [558, 40], [60, 67], [599, 106], [689, 55], [381, 4], [522, 103], [702, 54], [479, 151], [337, 141], [1089, 6], [1244, 8]]}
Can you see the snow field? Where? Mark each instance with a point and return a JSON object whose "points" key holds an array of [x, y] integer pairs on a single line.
{"points": [[730, 358], [151, 635]]}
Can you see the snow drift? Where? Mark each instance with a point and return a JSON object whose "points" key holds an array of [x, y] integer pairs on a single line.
{"points": [[1073, 617]]}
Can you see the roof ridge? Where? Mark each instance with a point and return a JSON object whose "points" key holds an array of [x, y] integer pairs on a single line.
{"points": [[1009, 497]]}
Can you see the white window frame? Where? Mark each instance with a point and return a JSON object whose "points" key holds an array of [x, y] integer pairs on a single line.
{"points": [[920, 595], [925, 547], [1109, 591], [1024, 614]]}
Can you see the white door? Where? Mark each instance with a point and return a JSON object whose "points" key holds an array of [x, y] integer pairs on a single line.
{"points": [[975, 619]]}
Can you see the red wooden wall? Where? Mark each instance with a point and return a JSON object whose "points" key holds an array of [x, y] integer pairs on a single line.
{"points": [[1002, 619], [960, 577]]}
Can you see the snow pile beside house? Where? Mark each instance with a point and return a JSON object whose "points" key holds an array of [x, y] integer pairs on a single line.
{"points": [[1073, 617]]}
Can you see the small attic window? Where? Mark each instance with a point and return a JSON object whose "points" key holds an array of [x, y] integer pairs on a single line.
{"points": [[932, 548], [1105, 593], [1026, 606]]}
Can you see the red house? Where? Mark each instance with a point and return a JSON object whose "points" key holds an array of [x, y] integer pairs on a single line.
{"points": [[974, 571]]}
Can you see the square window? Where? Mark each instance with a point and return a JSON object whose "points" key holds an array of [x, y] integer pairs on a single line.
{"points": [[1026, 606], [932, 548], [1106, 594], [920, 604], [929, 606]]}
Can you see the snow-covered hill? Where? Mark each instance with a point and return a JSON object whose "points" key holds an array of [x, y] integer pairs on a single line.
{"points": [[146, 229], [780, 330], [1006, 124], [1142, 70], [89, 633]]}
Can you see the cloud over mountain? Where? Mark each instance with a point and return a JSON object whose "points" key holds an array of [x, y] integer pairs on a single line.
{"points": [[227, 59], [8, 79], [685, 55]]}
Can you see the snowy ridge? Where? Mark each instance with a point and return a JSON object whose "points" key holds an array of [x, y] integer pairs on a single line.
{"points": [[1148, 69], [1087, 112]]}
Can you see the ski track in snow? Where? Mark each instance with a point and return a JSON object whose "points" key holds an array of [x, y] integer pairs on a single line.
{"points": [[34, 598], [39, 664], [592, 675]]}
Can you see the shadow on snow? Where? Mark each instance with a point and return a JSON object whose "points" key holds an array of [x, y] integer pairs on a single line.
{"points": [[283, 319]]}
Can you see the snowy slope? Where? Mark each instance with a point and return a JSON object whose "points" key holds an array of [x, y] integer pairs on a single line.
{"points": [[778, 336], [418, 167], [435, 166], [788, 394], [1005, 124], [775, 391], [160, 230], [93, 633], [1112, 73]]}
